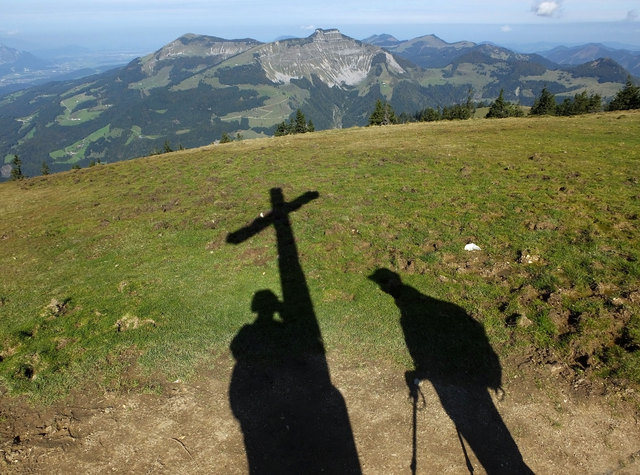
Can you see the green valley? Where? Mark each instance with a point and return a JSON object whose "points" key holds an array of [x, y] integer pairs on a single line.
{"points": [[197, 88]]}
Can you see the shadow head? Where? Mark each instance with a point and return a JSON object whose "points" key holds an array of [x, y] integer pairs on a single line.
{"points": [[388, 280], [266, 304]]}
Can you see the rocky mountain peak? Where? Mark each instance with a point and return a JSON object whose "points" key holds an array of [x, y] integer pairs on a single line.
{"points": [[329, 35], [190, 45], [336, 59], [7, 54]]}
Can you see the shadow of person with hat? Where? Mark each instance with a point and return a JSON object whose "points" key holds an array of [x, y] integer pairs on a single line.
{"points": [[451, 350]]}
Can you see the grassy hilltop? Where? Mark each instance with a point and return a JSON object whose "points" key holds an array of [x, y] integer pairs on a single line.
{"points": [[128, 262]]}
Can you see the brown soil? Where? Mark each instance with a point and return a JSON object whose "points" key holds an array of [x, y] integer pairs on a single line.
{"points": [[559, 426]]}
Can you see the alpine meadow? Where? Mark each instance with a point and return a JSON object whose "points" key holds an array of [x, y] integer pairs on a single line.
{"points": [[120, 280], [319, 255]]}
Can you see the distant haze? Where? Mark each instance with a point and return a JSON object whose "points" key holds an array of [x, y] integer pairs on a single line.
{"points": [[141, 26]]}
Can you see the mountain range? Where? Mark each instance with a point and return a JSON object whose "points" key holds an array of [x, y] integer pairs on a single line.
{"points": [[16, 61], [22, 69], [194, 89], [432, 52], [16, 69], [630, 60]]}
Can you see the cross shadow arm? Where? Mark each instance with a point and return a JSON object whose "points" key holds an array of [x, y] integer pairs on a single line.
{"points": [[252, 229], [298, 202], [279, 207]]}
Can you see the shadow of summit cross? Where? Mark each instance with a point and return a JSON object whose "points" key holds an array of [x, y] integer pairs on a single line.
{"points": [[293, 419], [451, 350]]}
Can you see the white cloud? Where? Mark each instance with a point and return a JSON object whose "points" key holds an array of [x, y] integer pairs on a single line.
{"points": [[10, 32], [546, 8], [308, 27]]}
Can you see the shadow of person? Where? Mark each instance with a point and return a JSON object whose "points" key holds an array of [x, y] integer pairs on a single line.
{"points": [[451, 350], [292, 417]]}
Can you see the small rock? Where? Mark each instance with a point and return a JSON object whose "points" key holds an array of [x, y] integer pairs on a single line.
{"points": [[129, 321], [54, 309], [525, 257], [524, 322], [617, 301], [472, 247], [555, 368]]}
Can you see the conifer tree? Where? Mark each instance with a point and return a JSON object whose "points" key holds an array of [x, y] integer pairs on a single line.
{"points": [[295, 125], [377, 115], [627, 98], [545, 104], [16, 170], [300, 123], [429, 115], [44, 169], [383, 114], [389, 115], [282, 129], [580, 104], [500, 108]]}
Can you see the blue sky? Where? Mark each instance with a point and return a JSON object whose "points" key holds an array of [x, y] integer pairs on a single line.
{"points": [[146, 25]]}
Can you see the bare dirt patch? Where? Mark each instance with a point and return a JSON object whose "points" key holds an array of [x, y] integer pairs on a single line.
{"points": [[189, 427]]}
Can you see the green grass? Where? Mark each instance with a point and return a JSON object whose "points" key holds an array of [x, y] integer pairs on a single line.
{"points": [[76, 152], [275, 109], [142, 243], [28, 136], [73, 115], [159, 79], [79, 117]]}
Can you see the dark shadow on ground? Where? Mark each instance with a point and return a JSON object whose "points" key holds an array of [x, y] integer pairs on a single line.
{"points": [[293, 419], [451, 350]]}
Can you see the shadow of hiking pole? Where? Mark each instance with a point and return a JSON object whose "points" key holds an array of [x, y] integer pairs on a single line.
{"points": [[451, 350], [414, 391], [292, 417]]}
